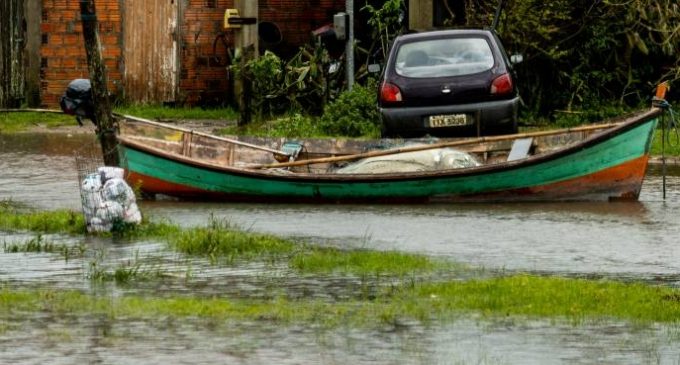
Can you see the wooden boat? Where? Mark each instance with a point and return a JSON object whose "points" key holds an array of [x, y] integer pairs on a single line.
{"points": [[591, 163]]}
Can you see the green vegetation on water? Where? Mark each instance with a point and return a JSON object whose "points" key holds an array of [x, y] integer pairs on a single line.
{"points": [[60, 221], [39, 245], [414, 291], [573, 300]]}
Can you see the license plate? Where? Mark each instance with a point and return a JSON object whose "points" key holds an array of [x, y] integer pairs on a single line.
{"points": [[450, 120]]}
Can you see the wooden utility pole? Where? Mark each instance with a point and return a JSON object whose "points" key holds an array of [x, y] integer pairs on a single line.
{"points": [[246, 43], [103, 118]]}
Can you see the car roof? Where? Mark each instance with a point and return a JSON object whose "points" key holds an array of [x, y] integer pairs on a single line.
{"points": [[441, 33]]}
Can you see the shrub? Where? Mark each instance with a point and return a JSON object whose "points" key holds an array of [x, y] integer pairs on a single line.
{"points": [[353, 114]]}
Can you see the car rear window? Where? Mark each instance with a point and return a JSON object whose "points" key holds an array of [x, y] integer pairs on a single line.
{"points": [[444, 57]]}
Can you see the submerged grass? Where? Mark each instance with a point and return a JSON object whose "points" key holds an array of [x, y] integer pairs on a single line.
{"points": [[39, 245], [219, 241], [572, 300], [412, 296]]}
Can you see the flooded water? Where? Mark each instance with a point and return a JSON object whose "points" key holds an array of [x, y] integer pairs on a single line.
{"points": [[635, 241]]}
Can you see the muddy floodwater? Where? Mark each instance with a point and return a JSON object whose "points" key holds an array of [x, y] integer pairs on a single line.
{"points": [[622, 241]]}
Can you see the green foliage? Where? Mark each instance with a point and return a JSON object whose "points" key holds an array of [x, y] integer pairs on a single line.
{"points": [[591, 113], [577, 51], [301, 84], [353, 114], [385, 24], [296, 125]]}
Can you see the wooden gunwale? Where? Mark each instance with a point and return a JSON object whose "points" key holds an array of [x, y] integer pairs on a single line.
{"points": [[192, 132], [622, 127]]}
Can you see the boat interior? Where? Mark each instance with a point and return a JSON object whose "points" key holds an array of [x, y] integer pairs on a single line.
{"points": [[323, 156]]}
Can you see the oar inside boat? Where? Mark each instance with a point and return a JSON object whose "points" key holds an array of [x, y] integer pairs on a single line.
{"points": [[422, 147]]}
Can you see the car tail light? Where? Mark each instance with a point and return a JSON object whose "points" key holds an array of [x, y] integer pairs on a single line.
{"points": [[501, 85], [390, 93]]}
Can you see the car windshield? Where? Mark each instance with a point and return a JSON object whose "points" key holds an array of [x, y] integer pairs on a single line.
{"points": [[444, 57]]}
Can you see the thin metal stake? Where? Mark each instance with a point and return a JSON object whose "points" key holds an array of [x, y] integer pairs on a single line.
{"points": [[663, 155]]}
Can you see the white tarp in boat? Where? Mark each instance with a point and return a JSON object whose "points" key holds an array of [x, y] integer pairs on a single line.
{"points": [[418, 161]]}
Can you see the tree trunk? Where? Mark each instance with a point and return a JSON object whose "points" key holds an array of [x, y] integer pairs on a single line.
{"points": [[12, 40], [103, 118]]}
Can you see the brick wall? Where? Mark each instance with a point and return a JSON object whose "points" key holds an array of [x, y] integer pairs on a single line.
{"points": [[62, 56], [204, 77]]}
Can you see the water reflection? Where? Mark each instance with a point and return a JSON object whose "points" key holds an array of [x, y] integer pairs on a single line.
{"points": [[194, 341]]}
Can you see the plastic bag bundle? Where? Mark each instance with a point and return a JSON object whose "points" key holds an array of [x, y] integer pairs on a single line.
{"points": [[109, 172], [108, 199], [119, 191]]}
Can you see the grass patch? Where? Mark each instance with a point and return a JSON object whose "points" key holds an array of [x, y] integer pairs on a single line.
{"points": [[18, 217], [58, 221], [573, 300], [293, 126], [183, 113], [672, 146], [221, 242], [125, 273], [21, 121], [39, 245]]}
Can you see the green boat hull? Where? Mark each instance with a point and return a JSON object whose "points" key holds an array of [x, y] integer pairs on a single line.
{"points": [[609, 166]]}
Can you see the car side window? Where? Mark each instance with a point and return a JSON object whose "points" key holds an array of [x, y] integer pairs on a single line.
{"points": [[444, 57]]}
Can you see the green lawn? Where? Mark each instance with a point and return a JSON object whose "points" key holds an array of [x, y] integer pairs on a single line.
{"points": [[19, 121], [672, 143]]}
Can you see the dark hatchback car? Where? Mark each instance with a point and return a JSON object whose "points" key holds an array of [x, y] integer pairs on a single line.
{"points": [[448, 83]]}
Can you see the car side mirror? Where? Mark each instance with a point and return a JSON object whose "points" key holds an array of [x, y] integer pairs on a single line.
{"points": [[373, 68], [516, 58]]}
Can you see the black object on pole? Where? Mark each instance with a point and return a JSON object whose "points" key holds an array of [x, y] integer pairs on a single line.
{"points": [[103, 117]]}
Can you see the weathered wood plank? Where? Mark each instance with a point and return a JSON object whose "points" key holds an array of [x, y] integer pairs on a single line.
{"points": [[150, 50]]}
